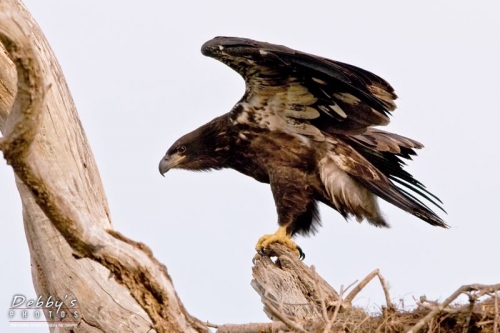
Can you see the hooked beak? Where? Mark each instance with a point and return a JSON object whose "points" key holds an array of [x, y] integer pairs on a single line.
{"points": [[169, 162]]}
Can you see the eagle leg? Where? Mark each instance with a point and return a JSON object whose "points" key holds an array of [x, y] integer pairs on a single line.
{"points": [[282, 237]]}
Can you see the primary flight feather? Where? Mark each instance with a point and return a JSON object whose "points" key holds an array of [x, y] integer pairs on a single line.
{"points": [[305, 126]]}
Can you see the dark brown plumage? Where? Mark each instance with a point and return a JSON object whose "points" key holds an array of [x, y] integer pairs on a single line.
{"points": [[305, 126]]}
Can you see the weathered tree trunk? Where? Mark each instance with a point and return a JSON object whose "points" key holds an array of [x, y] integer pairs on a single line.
{"points": [[66, 215]]}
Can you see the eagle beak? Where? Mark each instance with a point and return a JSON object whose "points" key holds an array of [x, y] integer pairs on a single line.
{"points": [[169, 162]]}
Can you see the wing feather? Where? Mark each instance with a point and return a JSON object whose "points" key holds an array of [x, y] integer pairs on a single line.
{"points": [[282, 82], [380, 181], [383, 151]]}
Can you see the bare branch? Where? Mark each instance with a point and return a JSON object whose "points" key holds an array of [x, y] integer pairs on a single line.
{"points": [[481, 289], [386, 291], [349, 298], [364, 282], [335, 313]]}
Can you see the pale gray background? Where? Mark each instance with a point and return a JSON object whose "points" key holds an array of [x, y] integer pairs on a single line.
{"points": [[139, 82]]}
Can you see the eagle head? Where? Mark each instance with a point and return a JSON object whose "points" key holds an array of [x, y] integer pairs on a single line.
{"points": [[200, 150]]}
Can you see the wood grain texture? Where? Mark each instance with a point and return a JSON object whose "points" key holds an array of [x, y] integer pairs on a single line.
{"points": [[289, 287], [118, 283]]}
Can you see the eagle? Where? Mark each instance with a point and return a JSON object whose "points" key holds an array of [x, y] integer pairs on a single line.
{"points": [[306, 126]]}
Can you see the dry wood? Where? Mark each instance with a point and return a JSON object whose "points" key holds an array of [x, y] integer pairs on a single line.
{"points": [[291, 284], [43, 140], [309, 303], [473, 290]]}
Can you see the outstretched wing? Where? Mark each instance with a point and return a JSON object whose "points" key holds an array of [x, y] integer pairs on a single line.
{"points": [[302, 93]]}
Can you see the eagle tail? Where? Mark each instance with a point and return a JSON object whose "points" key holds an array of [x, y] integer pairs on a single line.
{"points": [[403, 200], [384, 151]]}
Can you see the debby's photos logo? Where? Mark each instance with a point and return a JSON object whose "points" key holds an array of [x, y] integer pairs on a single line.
{"points": [[43, 312]]}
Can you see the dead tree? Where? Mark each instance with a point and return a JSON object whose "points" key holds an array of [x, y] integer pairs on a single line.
{"points": [[118, 283], [73, 248]]}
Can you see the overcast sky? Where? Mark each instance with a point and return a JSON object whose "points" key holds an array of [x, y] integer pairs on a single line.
{"points": [[139, 82]]}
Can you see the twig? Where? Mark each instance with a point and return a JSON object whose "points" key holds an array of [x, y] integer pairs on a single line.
{"points": [[364, 282], [349, 286], [350, 297], [386, 290], [431, 322], [368, 316], [472, 302], [383, 323], [431, 307], [335, 313]]}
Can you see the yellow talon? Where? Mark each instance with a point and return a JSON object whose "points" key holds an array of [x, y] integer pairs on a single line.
{"points": [[280, 236]]}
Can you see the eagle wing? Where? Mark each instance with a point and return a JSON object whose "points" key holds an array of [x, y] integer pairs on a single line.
{"points": [[296, 92], [303, 93]]}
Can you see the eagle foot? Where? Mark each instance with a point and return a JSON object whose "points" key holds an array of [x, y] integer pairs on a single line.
{"points": [[279, 237]]}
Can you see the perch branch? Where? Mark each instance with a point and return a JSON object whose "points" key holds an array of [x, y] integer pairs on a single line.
{"points": [[289, 282]]}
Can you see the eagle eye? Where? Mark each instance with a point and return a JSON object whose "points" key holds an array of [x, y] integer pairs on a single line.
{"points": [[181, 149]]}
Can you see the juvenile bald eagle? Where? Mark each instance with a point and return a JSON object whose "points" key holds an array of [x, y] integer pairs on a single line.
{"points": [[305, 126]]}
